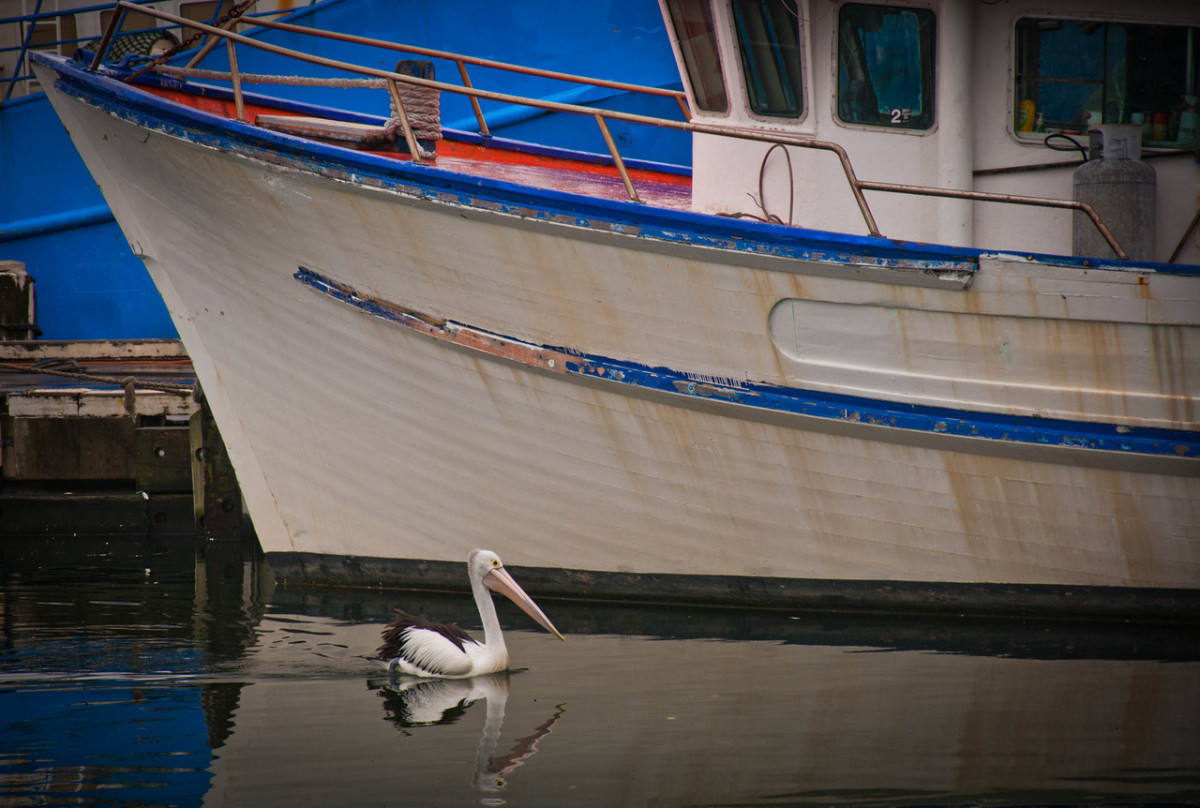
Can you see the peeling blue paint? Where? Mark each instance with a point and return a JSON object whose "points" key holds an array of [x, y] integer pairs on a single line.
{"points": [[830, 406]]}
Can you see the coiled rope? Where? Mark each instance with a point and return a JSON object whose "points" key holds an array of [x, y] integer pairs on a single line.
{"points": [[422, 104]]}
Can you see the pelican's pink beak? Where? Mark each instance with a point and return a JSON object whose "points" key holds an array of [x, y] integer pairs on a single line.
{"points": [[498, 580]]}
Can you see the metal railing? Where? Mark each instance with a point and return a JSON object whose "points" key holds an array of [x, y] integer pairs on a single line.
{"points": [[601, 116], [30, 22]]}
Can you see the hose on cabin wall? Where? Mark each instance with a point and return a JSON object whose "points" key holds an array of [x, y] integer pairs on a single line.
{"points": [[762, 172], [1075, 144], [768, 217]]}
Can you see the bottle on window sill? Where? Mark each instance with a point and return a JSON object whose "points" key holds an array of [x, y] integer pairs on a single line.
{"points": [[1025, 116]]}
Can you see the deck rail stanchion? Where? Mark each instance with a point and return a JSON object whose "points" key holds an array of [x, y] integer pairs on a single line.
{"points": [[466, 80], [213, 41], [236, 79], [1187, 231], [114, 24], [1011, 199], [616, 156], [414, 150], [681, 99], [856, 186]]}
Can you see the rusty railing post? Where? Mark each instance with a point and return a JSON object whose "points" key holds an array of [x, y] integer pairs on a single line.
{"points": [[238, 101], [616, 156], [462, 71], [114, 24], [414, 149]]}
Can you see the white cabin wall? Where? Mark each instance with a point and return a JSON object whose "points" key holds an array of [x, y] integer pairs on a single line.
{"points": [[956, 121], [1030, 229], [974, 132], [726, 171], [1036, 229]]}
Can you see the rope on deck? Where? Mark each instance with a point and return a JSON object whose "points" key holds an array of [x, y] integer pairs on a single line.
{"points": [[261, 78], [422, 104]]}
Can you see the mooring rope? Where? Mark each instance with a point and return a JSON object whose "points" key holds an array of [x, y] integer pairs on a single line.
{"points": [[422, 104], [261, 78], [125, 382], [423, 108]]}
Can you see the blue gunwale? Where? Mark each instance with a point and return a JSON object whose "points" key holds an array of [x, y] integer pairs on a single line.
{"points": [[1042, 432], [105, 90]]}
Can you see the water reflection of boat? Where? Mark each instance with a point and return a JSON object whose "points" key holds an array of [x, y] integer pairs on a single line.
{"points": [[614, 366], [1042, 640], [810, 725]]}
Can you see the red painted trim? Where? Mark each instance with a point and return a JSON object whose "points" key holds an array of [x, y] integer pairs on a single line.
{"points": [[471, 151], [445, 148]]}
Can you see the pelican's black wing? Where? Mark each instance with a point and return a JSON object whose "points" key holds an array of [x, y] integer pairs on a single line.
{"points": [[393, 633]]}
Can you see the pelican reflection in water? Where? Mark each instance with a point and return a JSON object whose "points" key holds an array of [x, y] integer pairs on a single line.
{"points": [[411, 703], [417, 647]]}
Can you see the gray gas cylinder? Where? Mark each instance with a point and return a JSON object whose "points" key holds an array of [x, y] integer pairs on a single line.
{"points": [[1123, 191]]}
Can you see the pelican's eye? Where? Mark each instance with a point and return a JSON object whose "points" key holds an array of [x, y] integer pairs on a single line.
{"points": [[495, 562]]}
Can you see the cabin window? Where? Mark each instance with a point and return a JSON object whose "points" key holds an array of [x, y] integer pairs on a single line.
{"points": [[697, 37], [768, 33], [1071, 75], [885, 66]]}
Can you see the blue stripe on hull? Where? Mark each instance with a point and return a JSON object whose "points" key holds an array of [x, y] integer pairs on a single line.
{"points": [[772, 398]]}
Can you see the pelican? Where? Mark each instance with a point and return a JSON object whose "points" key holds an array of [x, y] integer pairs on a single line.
{"points": [[418, 647]]}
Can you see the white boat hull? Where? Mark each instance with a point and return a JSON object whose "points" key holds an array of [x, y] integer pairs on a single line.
{"points": [[358, 439]]}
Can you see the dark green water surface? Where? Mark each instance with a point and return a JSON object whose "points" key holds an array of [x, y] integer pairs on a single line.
{"points": [[175, 673]]}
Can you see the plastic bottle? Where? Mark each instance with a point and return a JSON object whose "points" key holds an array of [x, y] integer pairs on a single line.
{"points": [[1158, 130], [1189, 122], [1025, 116]]}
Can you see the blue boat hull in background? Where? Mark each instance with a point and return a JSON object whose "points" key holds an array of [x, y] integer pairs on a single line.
{"points": [[89, 285], [54, 219]]}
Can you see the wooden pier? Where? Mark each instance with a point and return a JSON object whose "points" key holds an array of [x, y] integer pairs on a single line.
{"points": [[110, 437]]}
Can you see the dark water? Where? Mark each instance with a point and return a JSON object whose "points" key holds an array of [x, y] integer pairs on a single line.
{"points": [[173, 673]]}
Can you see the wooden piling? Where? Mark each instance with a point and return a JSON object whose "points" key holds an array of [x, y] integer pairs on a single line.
{"points": [[217, 499]]}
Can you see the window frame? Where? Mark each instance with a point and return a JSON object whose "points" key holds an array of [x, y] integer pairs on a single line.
{"points": [[928, 118], [801, 67], [1017, 80], [687, 62]]}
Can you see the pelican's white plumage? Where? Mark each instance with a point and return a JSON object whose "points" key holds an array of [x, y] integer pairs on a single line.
{"points": [[418, 647]]}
